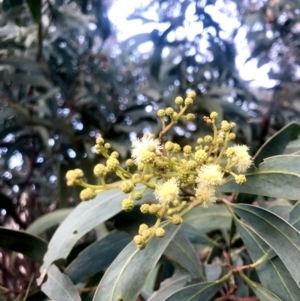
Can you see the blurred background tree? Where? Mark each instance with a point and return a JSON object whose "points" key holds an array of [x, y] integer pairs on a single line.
{"points": [[71, 71]]}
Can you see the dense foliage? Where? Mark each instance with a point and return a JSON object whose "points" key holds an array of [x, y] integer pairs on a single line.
{"points": [[66, 80]]}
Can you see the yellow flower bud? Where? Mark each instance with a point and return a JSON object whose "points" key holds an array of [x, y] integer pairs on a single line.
{"points": [[220, 141], [231, 136], [99, 141], [190, 117], [87, 194], [225, 126], [200, 155], [137, 196], [78, 173], [240, 179], [213, 115], [138, 239], [208, 139], [191, 165], [169, 146], [142, 228], [160, 232], [148, 157], [187, 149], [112, 164], [199, 140], [161, 113], [115, 155], [230, 152], [141, 166], [191, 94], [71, 175], [169, 111], [127, 186], [176, 219], [188, 101], [145, 208], [179, 101], [107, 145], [100, 170], [146, 234], [176, 148], [232, 125], [154, 208], [135, 176], [127, 205], [129, 162]]}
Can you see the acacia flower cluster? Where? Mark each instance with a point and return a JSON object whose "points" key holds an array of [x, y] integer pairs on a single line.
{"points": [[181, 176]]}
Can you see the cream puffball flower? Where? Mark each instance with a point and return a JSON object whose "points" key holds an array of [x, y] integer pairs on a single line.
{"points": [[140, 146], [241, 157], [210, 175], [205, 195], [168, 191]]}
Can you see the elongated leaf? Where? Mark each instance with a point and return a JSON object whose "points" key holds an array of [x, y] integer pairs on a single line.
{"points": [[277, 177], [276, 232], [295, 216], [97, 257], [35, 9], [59, 287], [272, 273], [261, 292], [208, 219], [183, 252], [195, 292], [84, 218], [281, 207], [48, 221], [167, 287], [22, 242], [212, 271], [127, 275], [277, 143]]}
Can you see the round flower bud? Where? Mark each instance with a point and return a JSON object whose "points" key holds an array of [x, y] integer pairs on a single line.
{"points": [[190, 117], [135, 176], [153, 209], [87, 194], [200, 155], [112, 164], [142, 228], [127, 205], [151, 148], [187, 149], [231, 136], [208, 139], [169, 146], [146, 233], [107, 145], [230, 152], [213, 115], [160, 232], [232, 125], [100, 170], [225, 126], [191, 165], [141, 166], [98, 149], [127, 186], [161, 113], [71, 175], [148, 157], [138, 239], [99, 141], [240, 179], [115, 155], [191, 94], [169, 111], [176, 219], [78, 173], [220, 141], [174, 116], [188, 101], [141, 246], [176, 148], [179, 101], [145, 208], [206, 148], [137, 196], [199, 140], [129, 162]]}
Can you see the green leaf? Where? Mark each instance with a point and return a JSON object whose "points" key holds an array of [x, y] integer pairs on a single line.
{"points": [[212, 271], [277, 177], [167, 287], [195, 292], [127, 275], [261, 292], [85, 217], [208, 219], [272, 273], [97, 257], [281, 207], [59, 287], [48, 221], [22, 242], [35, 9], [182, 251], [295, 216], [276, 232], [277, 143]]}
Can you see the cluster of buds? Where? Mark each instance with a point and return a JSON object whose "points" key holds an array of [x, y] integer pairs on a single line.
{"points": [[181, 177]]}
